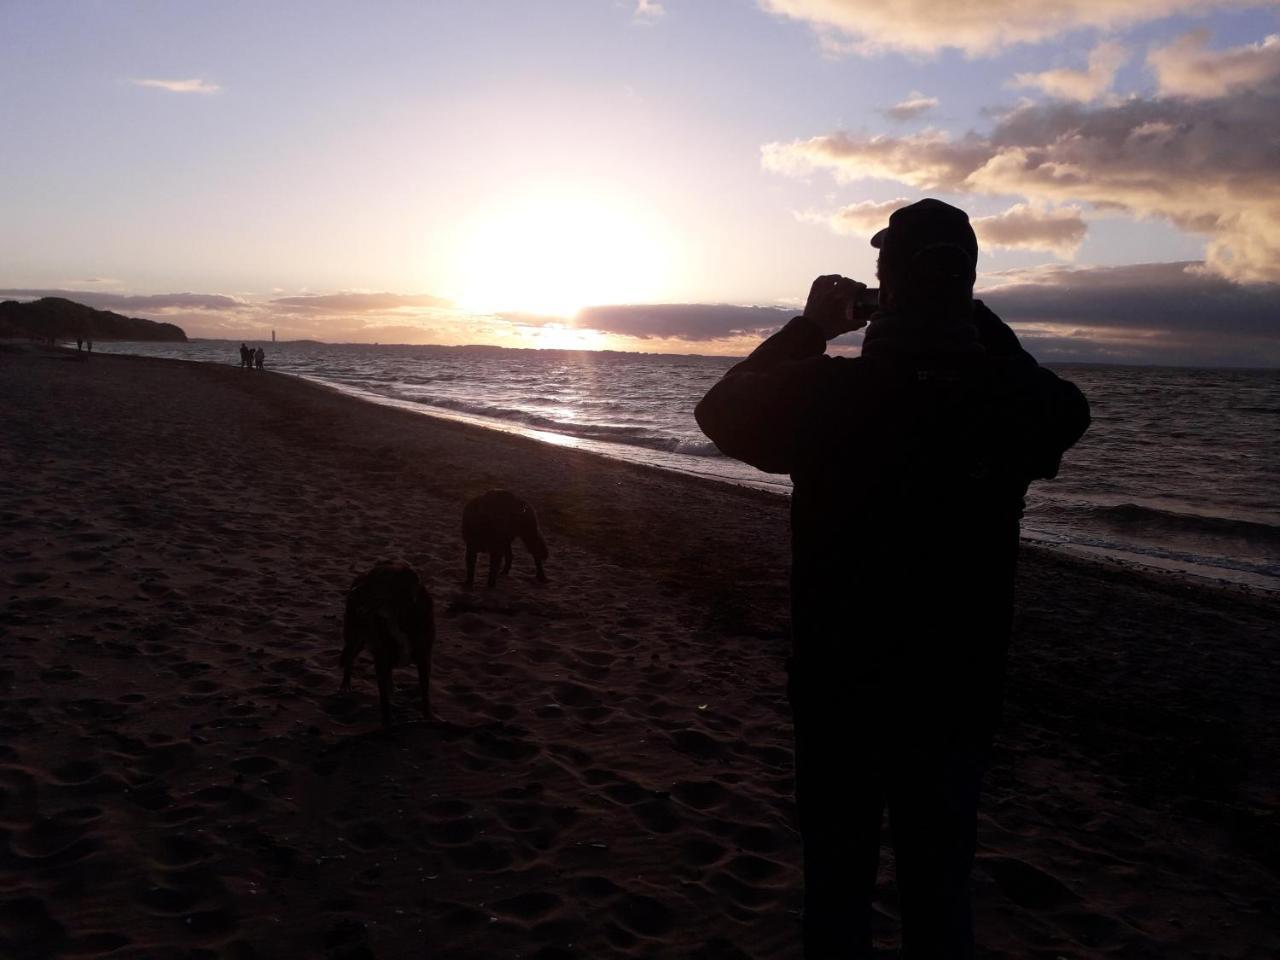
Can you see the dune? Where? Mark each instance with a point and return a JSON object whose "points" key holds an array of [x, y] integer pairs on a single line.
{"points": [[179, 776]]}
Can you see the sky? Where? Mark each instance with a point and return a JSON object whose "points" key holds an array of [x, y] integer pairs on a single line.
{"points": [[655, 175]]}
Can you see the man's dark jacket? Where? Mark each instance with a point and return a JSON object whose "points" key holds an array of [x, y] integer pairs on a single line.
{"points": [[909, 465]]}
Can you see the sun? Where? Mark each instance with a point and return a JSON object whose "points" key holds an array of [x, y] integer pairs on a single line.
{"points": [[551, 253]]}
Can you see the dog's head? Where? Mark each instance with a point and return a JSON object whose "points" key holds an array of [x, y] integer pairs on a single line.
{"points": [[527, 528]]}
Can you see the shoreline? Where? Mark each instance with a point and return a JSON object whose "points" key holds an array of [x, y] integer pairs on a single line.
{"points": [[1224, 578], [177, 772], [1222, 571]]}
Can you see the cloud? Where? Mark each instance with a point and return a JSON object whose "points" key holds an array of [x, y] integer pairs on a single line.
{"points": [[1021, 227], [912, 107], [647, 11], [1185, 68], [857, 219], [1176, 313], [928, 159], [1180, 297], [1204, 166], [180, 86], [123, 303], [360, 302], [1173, 313], [1081, 85], [976, 26], [683, 321]]}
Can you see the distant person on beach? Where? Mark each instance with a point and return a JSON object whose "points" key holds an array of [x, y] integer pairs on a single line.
{"points": [[79, 344], [909, 466], [258, 357], [244, 355]]}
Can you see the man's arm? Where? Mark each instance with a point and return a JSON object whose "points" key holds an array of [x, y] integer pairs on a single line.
{"points": [[1064, 417], [756, 412], [1053, 411], [762, 409]]}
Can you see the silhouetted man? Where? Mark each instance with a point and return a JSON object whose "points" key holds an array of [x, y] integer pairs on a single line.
{"points": [[909, 466]]}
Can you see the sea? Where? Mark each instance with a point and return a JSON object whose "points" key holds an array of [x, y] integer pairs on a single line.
{"points": [[1179, 470]]}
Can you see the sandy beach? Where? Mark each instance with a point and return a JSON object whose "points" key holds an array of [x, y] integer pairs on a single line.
{"points": [[179, 776]]}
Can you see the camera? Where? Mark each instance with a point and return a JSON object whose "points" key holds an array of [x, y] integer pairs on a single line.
{"points": [[867, 299], [862, 304]]}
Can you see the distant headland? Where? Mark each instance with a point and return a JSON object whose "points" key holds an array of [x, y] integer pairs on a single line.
{"points": [[55, 318]]}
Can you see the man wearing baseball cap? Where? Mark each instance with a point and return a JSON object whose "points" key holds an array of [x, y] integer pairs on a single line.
{"points": [[909, 466]]}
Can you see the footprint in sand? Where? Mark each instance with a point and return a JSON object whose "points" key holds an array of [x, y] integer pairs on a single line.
{"points": [[75, 773], [453, 832], [95, 944], [1026, 885], [367, 835], [700, 794], [592, 887], [702, 851], [53, 843], [626, 793], [228, 800], [574, 695], [179, 850], [697, 743], [61, 673], [481, 855], [745, 895], [761, 839], [447, 809], [163, 758], [657, 815], [165, 900], [752, 869], [527, 907], [27, 929], [643, 916]]}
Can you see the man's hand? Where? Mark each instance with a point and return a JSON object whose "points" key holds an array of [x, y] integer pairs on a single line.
{"points": [[831, 305]]}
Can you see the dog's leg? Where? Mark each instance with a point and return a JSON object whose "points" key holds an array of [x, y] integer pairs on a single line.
{"points": [[495, 558], [506, 559], [471, 566], [424, 644], [424, 684], [351, 644], [542, 577], [384, 695]]}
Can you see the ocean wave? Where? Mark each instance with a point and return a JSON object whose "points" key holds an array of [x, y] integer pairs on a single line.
{"points": [[1132, 514], [1156, 522], [697, 448], [628, 434]]}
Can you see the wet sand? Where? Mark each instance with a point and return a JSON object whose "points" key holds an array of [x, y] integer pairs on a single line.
{"points": [[179, 776]]}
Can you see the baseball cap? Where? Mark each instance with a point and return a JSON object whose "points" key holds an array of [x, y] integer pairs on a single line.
{"points": [[924, 224]]}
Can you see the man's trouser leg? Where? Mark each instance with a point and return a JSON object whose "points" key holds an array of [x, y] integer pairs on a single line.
{"points": [[933, 810], [840, 803]]}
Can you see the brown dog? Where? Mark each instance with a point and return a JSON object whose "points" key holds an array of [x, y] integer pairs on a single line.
{"points": [[490, 522], [390, 612]]}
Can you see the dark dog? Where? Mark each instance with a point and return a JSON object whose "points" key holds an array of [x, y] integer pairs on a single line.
{"points": [[390, 612], [490, 522]]}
